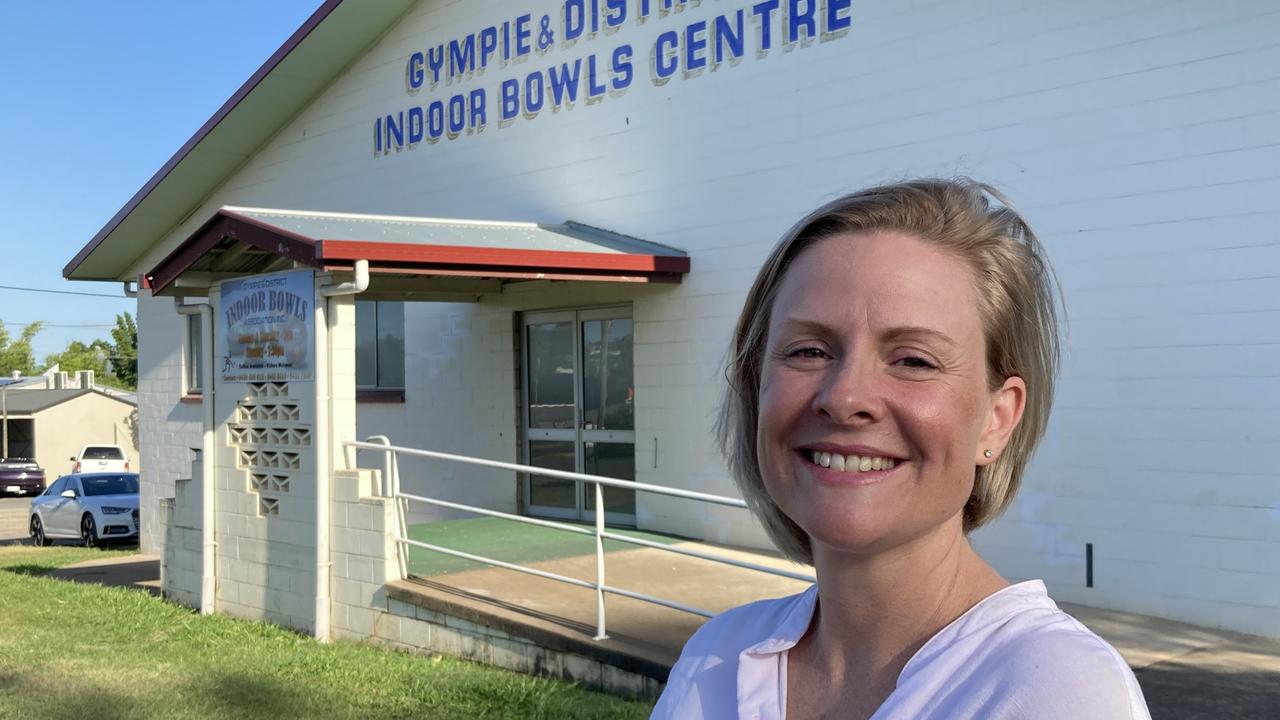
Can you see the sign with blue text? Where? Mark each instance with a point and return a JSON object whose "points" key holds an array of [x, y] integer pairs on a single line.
{"points": [[267, 327], [562, 55]]}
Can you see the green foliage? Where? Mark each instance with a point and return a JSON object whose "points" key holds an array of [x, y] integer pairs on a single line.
{"points": [[73, 650], [113, 363], [17, 354], [79, 356], [124, 351]]}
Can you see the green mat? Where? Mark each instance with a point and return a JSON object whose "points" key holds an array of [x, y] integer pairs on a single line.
{"points": [[509, 541]]}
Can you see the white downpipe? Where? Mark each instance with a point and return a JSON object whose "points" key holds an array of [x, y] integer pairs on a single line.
{"points": [[324, 454], [208, 495]]}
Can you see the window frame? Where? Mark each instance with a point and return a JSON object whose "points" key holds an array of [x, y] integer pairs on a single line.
{"points": [[193, 358], [378, 393]]}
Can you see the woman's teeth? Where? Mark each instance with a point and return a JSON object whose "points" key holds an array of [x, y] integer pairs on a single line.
{"points": [[850, 463]]}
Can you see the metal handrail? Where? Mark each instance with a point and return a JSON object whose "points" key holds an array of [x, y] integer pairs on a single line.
{"points": [[391, 487]]}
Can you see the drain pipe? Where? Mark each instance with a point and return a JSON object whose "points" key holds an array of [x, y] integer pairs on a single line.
{"points": [[208, 540], [324, 456]]}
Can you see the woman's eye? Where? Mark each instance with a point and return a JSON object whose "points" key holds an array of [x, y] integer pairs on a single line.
{"points": [[915, 362], [808, 353]]}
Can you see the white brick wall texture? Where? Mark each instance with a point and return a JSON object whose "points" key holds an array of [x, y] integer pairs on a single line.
{"points": [[1139, 138]]}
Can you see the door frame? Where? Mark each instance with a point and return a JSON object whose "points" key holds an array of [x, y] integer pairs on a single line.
{"points": [[584, 510]]}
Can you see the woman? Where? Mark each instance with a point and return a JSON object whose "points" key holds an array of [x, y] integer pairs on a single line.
{"points": [[891, 375]]}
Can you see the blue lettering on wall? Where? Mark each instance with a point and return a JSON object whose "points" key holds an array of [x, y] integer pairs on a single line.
{"points": [[574, 21], [435, 61], [564, 84], [457, 115], [615, 13], [764, 13], [488, 45], [478, 117], [622, 72], [523, 33], [415, 72], [695, 47], [510, 99], [665, 57], [800, 14], [729, 36], [435, 121], [533, 94], [837, 18], [596, 88], [416, 125], [712, 39]]}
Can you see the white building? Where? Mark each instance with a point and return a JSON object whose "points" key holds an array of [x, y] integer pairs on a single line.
{"points": [[1141, 140]]}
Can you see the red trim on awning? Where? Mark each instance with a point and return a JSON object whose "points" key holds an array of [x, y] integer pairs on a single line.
{"points": [[329, 250]]}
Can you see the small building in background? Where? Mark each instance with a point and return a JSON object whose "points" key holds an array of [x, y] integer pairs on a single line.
{"points": [[50, 417]]}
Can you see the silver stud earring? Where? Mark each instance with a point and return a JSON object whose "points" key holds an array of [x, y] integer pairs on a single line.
{"points": [[987, 453]]}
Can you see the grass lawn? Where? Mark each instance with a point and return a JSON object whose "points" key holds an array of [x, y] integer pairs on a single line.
{"points": [[70, 650], [507, 540]]}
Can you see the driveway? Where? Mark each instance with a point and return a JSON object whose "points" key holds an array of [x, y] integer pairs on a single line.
{"points": [[13, 519]]}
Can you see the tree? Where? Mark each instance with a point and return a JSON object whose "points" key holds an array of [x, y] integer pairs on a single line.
{"points": [[124, 352], [79, 356], [17, 354]]}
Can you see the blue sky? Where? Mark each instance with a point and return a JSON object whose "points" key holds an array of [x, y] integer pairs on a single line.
{"points": [[97, 96]]}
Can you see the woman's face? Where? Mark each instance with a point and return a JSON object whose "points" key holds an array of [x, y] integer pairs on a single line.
{"points": [[874, 401]]}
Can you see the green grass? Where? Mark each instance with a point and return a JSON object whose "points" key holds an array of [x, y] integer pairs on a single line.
{"points": [[72, 650], [506, 540]]}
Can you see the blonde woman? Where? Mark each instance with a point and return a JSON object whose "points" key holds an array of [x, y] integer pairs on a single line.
{"points": [[891, 374]]}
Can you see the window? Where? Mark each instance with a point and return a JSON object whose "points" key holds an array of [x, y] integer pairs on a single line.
{"points": [[380, 345], [195, 356]]}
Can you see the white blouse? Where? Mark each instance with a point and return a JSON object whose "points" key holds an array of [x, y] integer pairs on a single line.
{"points": [[1013, 655]]}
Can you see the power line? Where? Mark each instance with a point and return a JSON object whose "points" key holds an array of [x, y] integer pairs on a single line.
{"points": [[62, 292]]}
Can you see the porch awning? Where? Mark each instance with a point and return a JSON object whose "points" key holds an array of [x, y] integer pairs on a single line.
{"points": [[463, 256]]}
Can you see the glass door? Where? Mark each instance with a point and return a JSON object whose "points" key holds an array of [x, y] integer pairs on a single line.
{"points": [[579, 410]]}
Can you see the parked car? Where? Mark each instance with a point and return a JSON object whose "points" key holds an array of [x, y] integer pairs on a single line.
{"points": [[20, 476], [101, 458], [93, 508]]}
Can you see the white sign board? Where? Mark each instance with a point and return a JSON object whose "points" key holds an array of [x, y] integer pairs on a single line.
{"points": [[267, 326]]}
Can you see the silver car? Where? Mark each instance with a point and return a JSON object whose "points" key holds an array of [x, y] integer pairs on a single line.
{"points": [[93, 508]]}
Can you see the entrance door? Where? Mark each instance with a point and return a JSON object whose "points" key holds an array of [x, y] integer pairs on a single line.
{"points": [[579, 410]]}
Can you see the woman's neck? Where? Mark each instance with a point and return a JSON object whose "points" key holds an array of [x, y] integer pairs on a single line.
{"points": [[875, 611]]}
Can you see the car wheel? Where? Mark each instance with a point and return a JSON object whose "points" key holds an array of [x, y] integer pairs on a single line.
{"points": [[38, 538], [89, 532]]}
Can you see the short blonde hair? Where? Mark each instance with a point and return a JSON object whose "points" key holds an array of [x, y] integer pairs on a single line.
{"points": [[1018, 300]]}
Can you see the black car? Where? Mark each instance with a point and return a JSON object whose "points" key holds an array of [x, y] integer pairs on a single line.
{"points": [[20, 476]]}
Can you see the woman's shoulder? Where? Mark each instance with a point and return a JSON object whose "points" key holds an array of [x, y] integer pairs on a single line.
{"points": [[1037, 656], [742, 627], [706, 675]]}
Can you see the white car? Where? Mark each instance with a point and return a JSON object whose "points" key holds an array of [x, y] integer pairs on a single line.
{"points": [[101, 458], [93, 508]]}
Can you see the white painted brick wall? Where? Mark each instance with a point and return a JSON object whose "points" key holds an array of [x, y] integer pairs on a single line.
{"points": [[1140, 139], [167, 429]]}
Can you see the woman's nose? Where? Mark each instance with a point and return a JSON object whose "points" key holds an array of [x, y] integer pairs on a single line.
{"points": [[851, 392]]}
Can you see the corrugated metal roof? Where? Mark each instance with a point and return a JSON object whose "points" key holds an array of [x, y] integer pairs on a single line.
{"points": [[408, 230], [30, 402]]}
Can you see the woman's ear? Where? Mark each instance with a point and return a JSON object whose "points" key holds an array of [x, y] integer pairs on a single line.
{"points": [[1007, 404]]}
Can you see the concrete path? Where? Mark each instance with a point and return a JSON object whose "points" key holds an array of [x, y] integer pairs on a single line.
{"points": [[13, 518]]}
